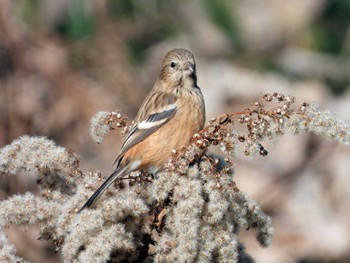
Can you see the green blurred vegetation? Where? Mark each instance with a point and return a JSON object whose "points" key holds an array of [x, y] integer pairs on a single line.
{"points": [[146, 23], [329, 30], [27, 11], [79, 22], [223, 15]]}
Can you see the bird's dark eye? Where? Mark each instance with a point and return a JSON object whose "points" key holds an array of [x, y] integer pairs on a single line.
{"points": [[172, 64]]}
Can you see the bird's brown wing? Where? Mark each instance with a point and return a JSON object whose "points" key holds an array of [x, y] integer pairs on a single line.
{"points": [[157, 109]]}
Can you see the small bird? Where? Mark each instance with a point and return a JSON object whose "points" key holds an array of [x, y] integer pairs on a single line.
{"points": [[170, 115]]}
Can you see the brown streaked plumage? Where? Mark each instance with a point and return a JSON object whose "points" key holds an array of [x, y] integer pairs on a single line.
{"points": [[169, 116]]}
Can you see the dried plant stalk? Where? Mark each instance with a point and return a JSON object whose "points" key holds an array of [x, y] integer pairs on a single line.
{"points": [[189, 211]]}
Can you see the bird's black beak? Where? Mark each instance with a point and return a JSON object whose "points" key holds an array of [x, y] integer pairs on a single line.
{"points": [[189, 68], [190, 71]]}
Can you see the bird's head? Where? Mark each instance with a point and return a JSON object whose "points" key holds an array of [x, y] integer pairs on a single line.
{"points": [[178, 69]]}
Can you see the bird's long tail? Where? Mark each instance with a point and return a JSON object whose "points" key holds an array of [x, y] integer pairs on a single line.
{"points": [[115, 175]]}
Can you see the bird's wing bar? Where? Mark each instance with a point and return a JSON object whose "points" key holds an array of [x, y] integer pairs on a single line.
{"points": [[145, 128], [142, 130]]}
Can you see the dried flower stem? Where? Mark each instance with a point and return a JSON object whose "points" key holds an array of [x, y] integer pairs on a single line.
{"points": [[193, 202]]}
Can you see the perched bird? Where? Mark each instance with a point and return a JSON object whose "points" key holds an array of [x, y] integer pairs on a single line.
{"points": [[171, 113]]}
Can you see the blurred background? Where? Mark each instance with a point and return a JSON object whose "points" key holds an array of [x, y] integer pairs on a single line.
{"points": [[62, 61]]}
